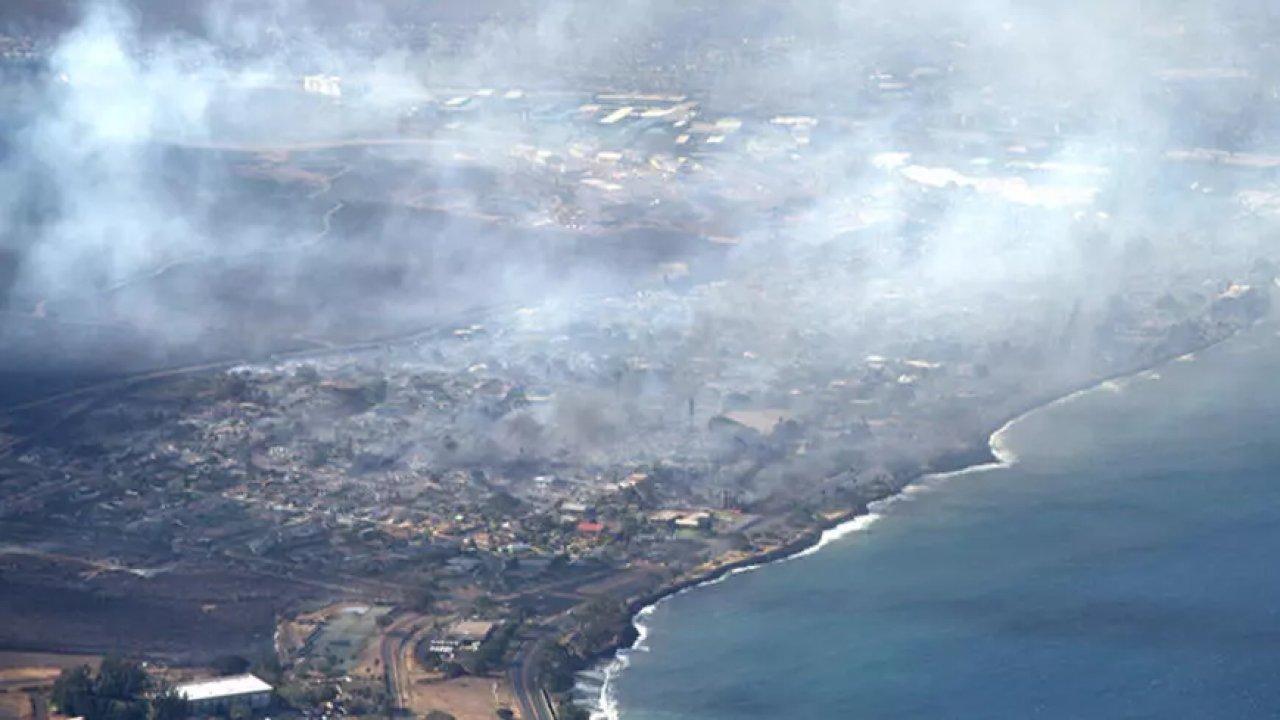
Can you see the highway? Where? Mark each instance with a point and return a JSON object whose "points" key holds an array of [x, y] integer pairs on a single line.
{"points": [[528, 693]]}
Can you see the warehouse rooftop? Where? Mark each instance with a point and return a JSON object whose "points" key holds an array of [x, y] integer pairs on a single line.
{"points": [[223, 687]]}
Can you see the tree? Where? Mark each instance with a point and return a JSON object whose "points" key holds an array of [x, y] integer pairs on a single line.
{"points": [[229, 665], [268, 668], [484, 605], [556, 668], [72, 690], [117, 692], [491, 650], [423, 600], [302, 695], [121, 679], [169, 706]]}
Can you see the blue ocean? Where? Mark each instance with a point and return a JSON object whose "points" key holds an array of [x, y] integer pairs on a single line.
{"points": [[1125, 564]]}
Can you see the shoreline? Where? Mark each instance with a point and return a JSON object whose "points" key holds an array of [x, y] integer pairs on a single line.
{"points": [[992, 455]]}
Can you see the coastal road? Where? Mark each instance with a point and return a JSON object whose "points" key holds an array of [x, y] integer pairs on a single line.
{"points": [[528, 693]]}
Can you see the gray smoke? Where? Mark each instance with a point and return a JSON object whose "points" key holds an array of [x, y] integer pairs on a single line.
{"points": [[166, 178]]}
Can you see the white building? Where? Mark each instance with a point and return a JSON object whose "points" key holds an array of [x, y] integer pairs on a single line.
{"points": [[466, 635], [210, 696]]}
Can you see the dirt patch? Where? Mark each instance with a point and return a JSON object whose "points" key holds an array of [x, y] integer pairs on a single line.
{"points": [[15, 706], [27, 674], [11, 660], [464, 698]]}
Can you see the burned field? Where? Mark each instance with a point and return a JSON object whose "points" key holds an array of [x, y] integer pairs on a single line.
{"points": [[55, 604]]}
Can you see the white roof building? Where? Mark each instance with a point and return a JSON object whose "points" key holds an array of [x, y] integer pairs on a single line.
{"points": [[224, 690]]}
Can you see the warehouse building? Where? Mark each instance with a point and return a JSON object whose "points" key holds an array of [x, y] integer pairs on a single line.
{"points": [[220, 694]]}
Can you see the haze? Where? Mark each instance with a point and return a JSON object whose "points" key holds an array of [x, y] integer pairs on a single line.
{"points": [[470, 268]]}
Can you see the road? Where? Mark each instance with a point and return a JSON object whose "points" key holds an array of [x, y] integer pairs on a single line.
{"points": [[524, 682], [396, 649]]}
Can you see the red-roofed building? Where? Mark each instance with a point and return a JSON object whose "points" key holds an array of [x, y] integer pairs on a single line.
{"points": [[586, 527]]}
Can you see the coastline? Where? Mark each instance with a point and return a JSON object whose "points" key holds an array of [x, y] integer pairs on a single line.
{"points": [[993, 455]]}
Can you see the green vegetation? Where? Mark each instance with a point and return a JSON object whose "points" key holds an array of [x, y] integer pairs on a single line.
{"points": [[121, 690], [230, 665], [268, 668], [557, 668], [423, 600], [301, 694], [599, 622], [367, 699], [489, 655], [337, 646]]}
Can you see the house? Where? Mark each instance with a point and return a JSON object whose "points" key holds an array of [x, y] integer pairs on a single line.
{"points": [[218, 695], [587, 527], [577, 509], [466, 635], [694, 521], [682, 519]]}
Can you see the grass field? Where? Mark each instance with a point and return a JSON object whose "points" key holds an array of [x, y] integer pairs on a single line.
{"points": [[343, 638]]}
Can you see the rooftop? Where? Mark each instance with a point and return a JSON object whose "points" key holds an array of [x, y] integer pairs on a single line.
{"points": [[471, 629], [221, 687]]}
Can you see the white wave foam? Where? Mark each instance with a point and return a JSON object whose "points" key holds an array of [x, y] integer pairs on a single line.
{"points": [[605, 706], [862, 522], [1111, 386], [999, 444], [642, 628]]}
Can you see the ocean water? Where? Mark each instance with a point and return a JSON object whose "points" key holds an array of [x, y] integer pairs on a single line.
{"points": [[1125, 565]]}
